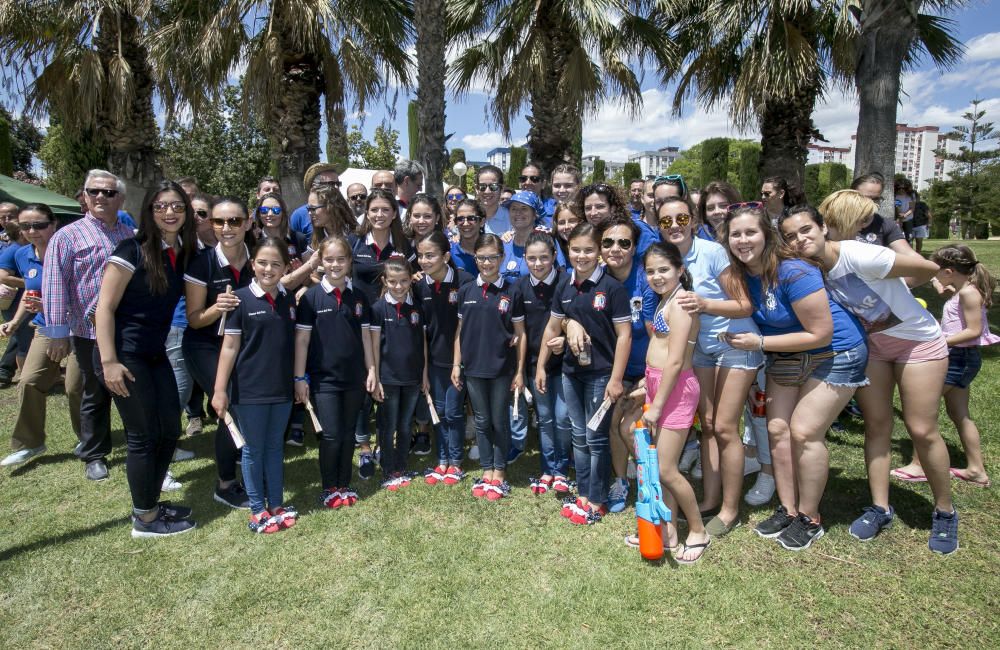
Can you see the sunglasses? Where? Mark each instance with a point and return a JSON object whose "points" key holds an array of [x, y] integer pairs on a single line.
{"points": [[533, 179], [680, 219], [175, 207], [673, 179], [466, 219], [358, 198], [492, 187], [623, 244], [312, 208], [37, 226], [456, 197], [232, 222], [752, 205], [95, 192], [201, 214], [486, 259], [274, 209]]}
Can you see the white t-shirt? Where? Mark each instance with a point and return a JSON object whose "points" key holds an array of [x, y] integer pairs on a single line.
{"points": [[857, 281]]}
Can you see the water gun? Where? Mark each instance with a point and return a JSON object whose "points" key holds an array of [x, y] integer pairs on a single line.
{"points": [[650, 511]]}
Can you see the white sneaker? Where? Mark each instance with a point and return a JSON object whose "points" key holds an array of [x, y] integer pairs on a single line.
{"points": [[762, 491], [750, 465], [182, 454], [170, 484], [690, 456], [22, 456], [474, 452], [696, 470]]}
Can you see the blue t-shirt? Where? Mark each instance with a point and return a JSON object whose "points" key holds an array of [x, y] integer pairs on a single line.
{"points": [[28, 266], [648, 235], [8, 264], [514, 266], [300, 222], [642, 305], [125, 219], [706, 262], [548, 211], [464, 260], [499, 223]]}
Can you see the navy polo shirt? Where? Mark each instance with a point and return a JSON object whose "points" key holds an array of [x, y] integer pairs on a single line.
{"points": [[401, 325], [264, 364], [597, 304], [369, 262], [336, 357], [28, 266], [488, 313], [297, 244], [464, 260], [536, 298], [439, 301], [142, 319], [211, 270]]}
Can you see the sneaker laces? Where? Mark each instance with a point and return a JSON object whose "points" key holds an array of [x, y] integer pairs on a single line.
{"points": [[944, 526], [618, 491]]}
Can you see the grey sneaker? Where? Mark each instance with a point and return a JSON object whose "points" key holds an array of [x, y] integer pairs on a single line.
{"points": [[22, 456], [97, 470], [162, 526], [182, 454], [233, 496], [194, 427]]}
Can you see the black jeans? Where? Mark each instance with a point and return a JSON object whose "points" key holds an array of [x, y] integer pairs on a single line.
{"points": [[337, 412], [203, 361], [394, 422], [490, 403], [95, 403], [152, 417]]}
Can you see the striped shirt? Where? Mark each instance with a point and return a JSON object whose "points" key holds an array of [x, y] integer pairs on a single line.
{"points": [[71, 275]]}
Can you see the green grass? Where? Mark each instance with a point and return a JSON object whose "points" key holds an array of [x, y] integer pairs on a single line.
{"points": [[431, 567]]}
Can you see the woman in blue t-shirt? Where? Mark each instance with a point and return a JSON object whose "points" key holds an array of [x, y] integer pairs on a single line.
{"points": [[816, 356]]}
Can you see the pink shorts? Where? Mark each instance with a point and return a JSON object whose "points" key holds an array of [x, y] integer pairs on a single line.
{"points": [[885, 347], [678, 412]]}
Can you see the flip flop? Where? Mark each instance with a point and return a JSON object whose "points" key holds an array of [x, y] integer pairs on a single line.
{"points": [[906, 477], [632, 541], [961, 476], [703, 547]]}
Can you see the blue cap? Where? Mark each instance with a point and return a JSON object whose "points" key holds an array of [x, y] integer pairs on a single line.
{"points": [[528, 198]]}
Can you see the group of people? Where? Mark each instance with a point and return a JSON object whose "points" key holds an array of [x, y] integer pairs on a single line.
{"points": [[591, 307]]}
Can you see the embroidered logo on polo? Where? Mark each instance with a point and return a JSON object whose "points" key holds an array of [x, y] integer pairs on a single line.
{"points": [[504, 305], [291, 313], [357, 309], [32, 273], [600, 301], [453, 297], [414, 318], [636, 304]]}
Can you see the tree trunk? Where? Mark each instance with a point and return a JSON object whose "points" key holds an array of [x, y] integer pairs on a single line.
{"points": [[337, 150], [130, 131], [786, 129], [428, 18], [888, 28]]}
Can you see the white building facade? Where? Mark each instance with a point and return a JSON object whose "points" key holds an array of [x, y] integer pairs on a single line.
{"points": [[915, 157], [655, 163]]}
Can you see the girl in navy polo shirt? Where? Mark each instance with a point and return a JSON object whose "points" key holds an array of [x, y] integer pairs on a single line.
{"points": [[423, 217], [334, 364], [567, 216], [490, 350], [210, 281], [139, 291], [437, 294], [535, 293], [400, 351], [593, 373], [257, 355], [469, 218], [272, 214]]}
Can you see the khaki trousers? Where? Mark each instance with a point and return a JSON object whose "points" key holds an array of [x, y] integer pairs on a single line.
{"points": [[38, 375]]}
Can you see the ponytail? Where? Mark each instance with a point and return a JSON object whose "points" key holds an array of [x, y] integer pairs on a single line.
{"points": [[963, 260]]}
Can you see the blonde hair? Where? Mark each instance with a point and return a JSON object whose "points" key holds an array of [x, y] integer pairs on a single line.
{"points": [[846, 210]]}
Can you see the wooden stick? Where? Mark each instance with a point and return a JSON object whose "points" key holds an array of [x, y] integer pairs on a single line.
{"points": [[222, 321], [312, 413], [517, 391], [430, 406], [234, 430]]}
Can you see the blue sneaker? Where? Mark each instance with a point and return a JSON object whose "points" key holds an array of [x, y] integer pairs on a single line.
{"points": [[617, 495], [871, 522], [944, 532], [513, 454]]}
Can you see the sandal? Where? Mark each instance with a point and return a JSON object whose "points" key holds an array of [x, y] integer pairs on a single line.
{"points": [[906, 477], [540, 486], [686, 546], [632, 541], [962, 476]]}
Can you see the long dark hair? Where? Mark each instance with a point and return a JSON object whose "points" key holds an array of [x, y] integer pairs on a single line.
{"points": [[249, 239], [775, 249], [150, 238], [395, 226], [962, 259], [435, 205], [340, 215], [617, 204], [439, 240], [672, 254], [283, 228]]}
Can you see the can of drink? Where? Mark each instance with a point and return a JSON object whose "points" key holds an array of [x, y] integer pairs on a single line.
{"points": [[584, 357], [759, 405], [33, 295]]}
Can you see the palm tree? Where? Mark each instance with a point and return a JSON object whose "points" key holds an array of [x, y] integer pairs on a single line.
{"points": [[893, 36], [85, 63], [429, 21], [293, 52], [769, 61], [561, 57]]}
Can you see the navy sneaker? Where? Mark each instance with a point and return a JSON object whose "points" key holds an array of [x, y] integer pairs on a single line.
{"points": [[162, 526], [366, 466], [871, 522], [513, 454], [617, 495], [296, 437], [944, 532], [853, 409], [233, 496]]}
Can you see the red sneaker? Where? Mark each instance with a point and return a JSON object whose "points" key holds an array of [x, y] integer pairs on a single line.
{"points": [[404, 479], [263, 523], [392, 482], [286, 517], [453, 475], [435, 475], [332, 498]]}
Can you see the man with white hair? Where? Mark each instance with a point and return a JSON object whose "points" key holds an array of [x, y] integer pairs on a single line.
{"points": [[71, 280]]}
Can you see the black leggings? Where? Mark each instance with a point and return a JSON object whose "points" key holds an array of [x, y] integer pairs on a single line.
{"points": [[151, 415], [337, 411], [202, 362]]}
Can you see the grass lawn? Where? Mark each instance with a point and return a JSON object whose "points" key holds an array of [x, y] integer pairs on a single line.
{"points": [[432, 567]]}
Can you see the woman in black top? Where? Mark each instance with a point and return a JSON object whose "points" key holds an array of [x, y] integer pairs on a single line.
{"points": [[139, 291]]}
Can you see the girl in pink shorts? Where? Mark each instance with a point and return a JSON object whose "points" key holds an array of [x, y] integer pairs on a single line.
{"points": [[672, 393]]}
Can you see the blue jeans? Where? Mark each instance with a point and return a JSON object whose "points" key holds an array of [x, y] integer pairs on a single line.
{"points": [[591, 448], [263, 427], [182, 375], [337, 412], [490, 400], [362, 435], [555, 431], [394, 419], [449, 402]]}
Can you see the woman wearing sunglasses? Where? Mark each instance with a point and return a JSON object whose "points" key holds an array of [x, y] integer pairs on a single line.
{"points": [[777, 196], [209, 283], [272, 217], [724, 372], [489, 185], [533, 180], [453, 196], [469, 218]]}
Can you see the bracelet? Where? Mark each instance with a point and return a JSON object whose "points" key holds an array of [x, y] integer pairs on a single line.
{"points": [[762, 343], [302, 378]]}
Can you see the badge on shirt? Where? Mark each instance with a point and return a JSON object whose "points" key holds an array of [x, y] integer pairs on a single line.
{"points": [[770, 302], [871, 238], [636, 304], [600, 300], [357, 309], [453, 297], [504, 305], [291, 313], [512, 265], [32, 273], [414, 318]]}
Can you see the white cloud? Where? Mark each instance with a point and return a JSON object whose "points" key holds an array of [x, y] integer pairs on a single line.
{"points": [[484, 141], [984, 47]]}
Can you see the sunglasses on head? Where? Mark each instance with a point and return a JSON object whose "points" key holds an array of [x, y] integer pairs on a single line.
{"points": [[674, 179], [232, 222], [680, 219], [95, 191], [264, 210], [492, 187], [752, 205], [357, 198], [533, 179], [623, 244], [35, 225]]}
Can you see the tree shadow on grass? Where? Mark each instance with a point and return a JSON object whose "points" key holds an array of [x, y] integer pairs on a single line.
{"points": [[67, 537]]}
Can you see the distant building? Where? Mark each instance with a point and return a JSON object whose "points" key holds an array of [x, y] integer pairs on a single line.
{"points": [[915, 157], [499, 157], [610, 167], [655, 163], [823, 154]]}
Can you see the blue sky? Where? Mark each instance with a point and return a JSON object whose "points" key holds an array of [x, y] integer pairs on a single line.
{"points": [[931, 97]]}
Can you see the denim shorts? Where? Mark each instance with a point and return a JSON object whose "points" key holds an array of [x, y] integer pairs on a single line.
{"points": [[728, 357], [846, 368], [963, 366]]}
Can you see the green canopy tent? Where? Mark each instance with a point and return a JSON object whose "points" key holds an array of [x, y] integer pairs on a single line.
{"points": [[65, 209]]}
